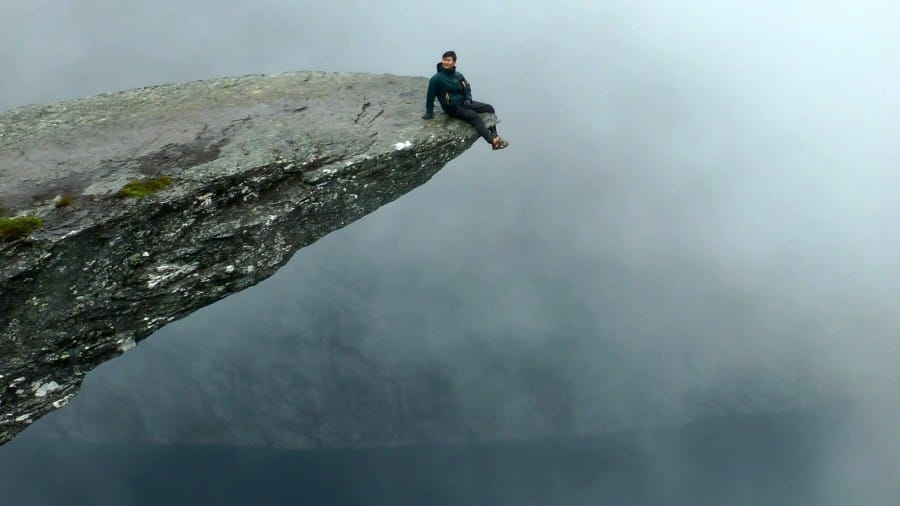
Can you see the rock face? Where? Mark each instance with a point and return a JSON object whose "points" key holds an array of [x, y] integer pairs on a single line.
{"points": [[257, 166]]}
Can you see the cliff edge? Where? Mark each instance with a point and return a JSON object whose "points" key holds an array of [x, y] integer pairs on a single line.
{"points": [[128, 210]]}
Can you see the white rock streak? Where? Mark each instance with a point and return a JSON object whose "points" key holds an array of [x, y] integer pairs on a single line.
{"points": [[42, 389], [168, 272]]}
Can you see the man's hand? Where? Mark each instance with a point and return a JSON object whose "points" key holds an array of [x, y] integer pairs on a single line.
{"points": [[428, 115], [467, 103]]}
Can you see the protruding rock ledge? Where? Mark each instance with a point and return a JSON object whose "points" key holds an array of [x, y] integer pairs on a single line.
{"points": [[257, 167]]}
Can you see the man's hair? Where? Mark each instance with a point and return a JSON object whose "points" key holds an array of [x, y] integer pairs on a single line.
{"points": [[451, 54]]}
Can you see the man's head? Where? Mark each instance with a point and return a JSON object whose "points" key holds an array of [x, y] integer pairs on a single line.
{"points": [[448, 60]]}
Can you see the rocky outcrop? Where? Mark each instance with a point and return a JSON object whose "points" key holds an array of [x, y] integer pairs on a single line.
{"points": [[248, 169]]}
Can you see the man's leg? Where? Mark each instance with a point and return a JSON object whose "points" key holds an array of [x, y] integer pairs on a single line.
{"points": [[482, 107], [496, 141], [472, 117]]}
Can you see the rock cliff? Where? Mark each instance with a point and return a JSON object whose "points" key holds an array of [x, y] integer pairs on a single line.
{"points": [[128, 210]]}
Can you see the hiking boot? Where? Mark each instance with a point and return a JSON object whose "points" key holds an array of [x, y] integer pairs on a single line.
{"points": [[498, 143]]}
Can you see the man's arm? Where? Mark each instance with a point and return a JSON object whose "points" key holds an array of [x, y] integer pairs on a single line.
{"points": [[429, 99], [467, 88]]}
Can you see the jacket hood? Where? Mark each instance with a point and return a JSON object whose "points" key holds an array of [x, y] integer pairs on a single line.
{"points": [[440, 67]]}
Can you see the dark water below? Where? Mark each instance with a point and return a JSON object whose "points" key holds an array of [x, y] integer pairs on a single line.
{"points": [[744, 459]]}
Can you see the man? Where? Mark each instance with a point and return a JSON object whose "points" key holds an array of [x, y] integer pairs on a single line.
{"points": [[455, 95]]}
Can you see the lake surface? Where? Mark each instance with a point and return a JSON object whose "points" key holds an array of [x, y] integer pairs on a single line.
{"points": [[748, 459]]}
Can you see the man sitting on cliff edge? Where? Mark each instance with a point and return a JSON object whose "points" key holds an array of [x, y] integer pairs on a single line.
{"points": [[455, 95]]}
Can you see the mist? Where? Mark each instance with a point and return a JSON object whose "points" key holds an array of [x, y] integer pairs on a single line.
{"points": [[697, 216]]}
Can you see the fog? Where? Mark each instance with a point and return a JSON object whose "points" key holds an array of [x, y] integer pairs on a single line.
{"points": [[697, 214]]}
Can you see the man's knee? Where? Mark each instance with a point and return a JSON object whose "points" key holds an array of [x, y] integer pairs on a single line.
{"points": [[465, 114], [482, 107]]}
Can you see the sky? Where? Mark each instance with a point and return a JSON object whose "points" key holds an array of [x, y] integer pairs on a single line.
{"points": [[697, 197]]}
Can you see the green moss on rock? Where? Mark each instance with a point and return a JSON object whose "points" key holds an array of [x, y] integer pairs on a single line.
{"points": [[20, 226], [62, 201], [144, 187]]}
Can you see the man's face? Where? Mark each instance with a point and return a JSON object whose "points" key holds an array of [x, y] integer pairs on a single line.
{"points": [[448, 62]]}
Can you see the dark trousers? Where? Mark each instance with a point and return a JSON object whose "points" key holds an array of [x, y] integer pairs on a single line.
{"points": [[469, 113]]}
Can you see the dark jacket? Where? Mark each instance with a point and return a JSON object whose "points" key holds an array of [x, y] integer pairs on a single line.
{"points": [[449, 86]]}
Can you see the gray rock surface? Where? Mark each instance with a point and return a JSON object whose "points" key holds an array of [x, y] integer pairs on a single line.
{"points": [[261, 166]]}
